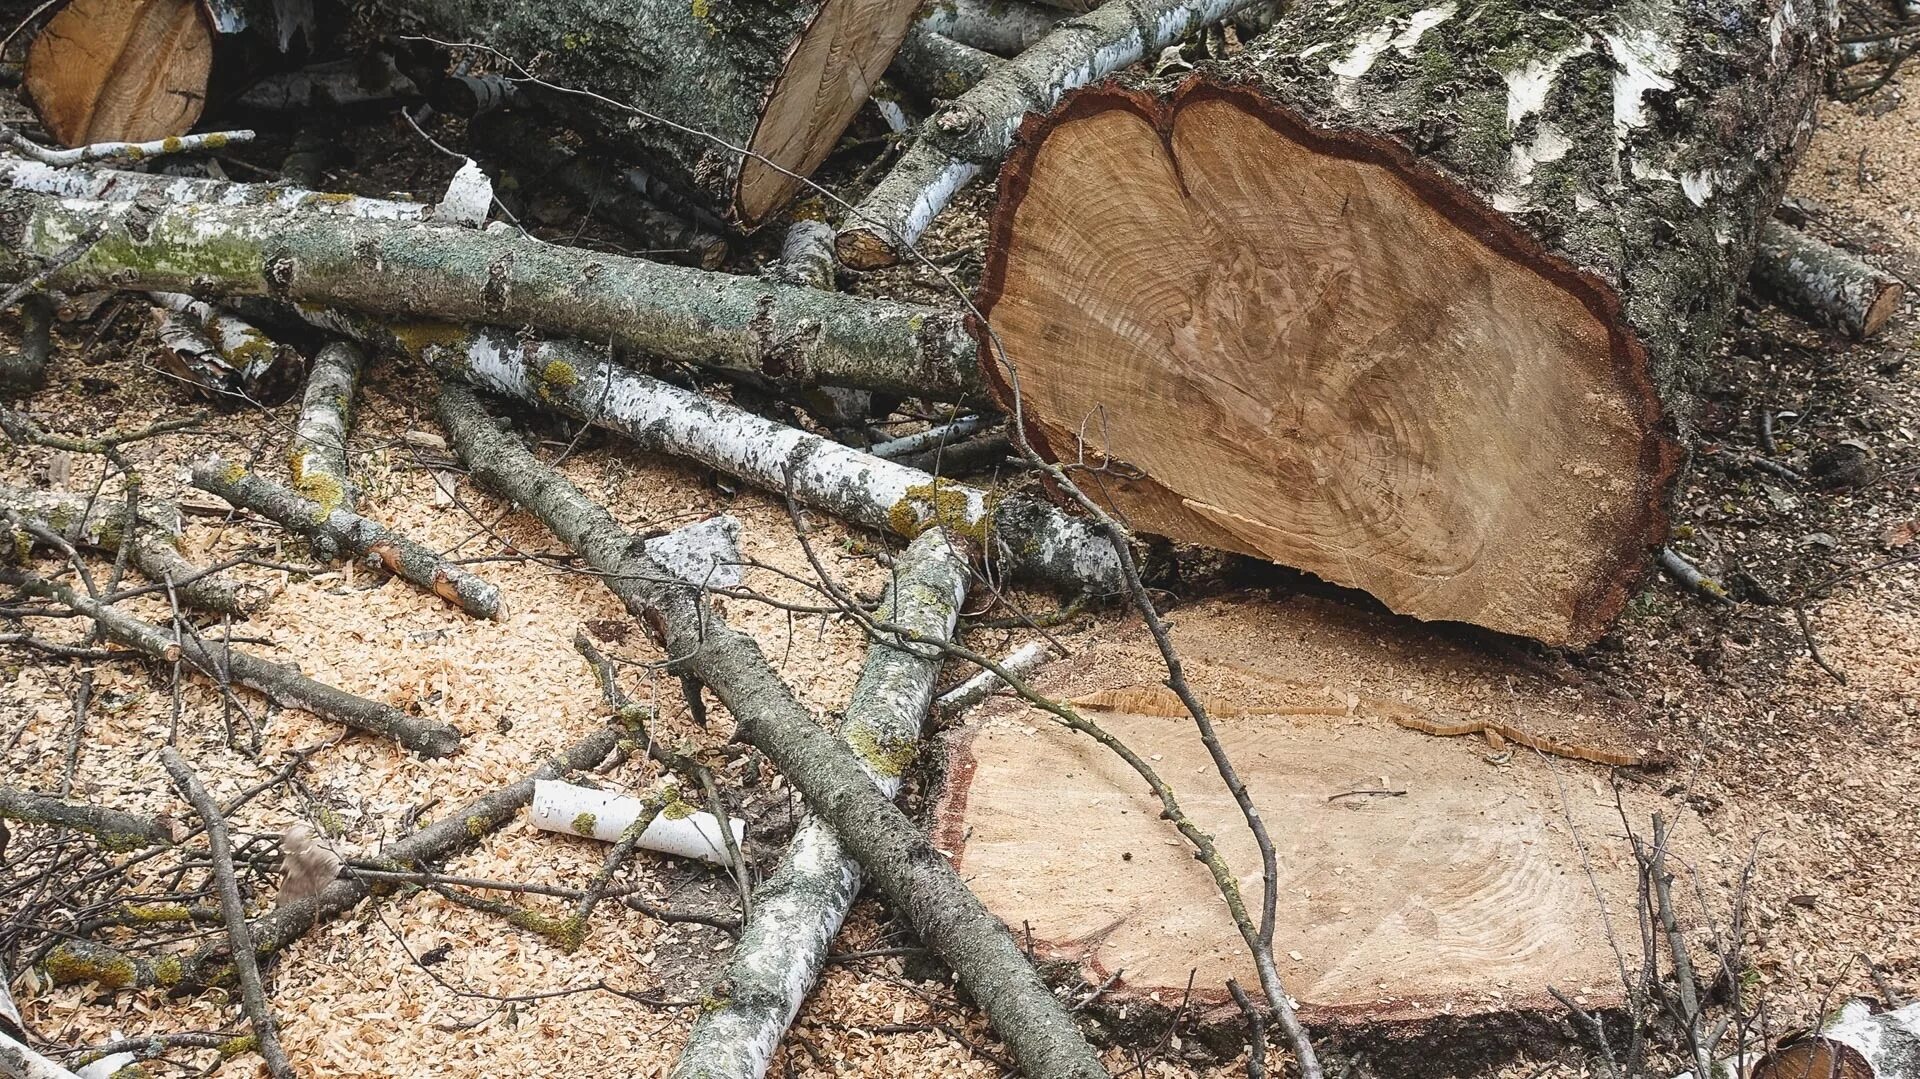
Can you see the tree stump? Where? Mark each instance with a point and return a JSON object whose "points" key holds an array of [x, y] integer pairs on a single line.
{"points": [[1408, 299], [688, 85]]}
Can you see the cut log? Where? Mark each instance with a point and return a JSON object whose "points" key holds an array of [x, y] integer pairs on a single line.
{"points": [[1408, 300], [1821, 282], [120, 70], [302, 252], [1855, 1043], [1426, 899], [694, 82]]}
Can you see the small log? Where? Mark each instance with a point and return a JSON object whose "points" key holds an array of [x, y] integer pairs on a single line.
{"points": [[912, 874], [954, 703], [794, 336], [264, 370], [938, 68], [282, 685], [345, 530], [975, 131], [1822, 283], [25, 368], [19, 1061], [101, 524], [606, 816], [1028, 537], [779, 79], [318, 457], [1485, 433], [806, 256], [1856, 1043], [799, 909], [77, 961], [116, 830], [118, 185]]}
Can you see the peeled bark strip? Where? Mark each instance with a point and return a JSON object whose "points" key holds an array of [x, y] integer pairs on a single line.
{"points": [[84, 961], [1406, 299], [265, 370], [103, 526], [1025, 536], [402, 557], [1823, 283], [606, 816], [798, 911], [780, 78], [917, 881], [794, 336], [975, 131], [115, 829], [282, 685], [319, 454]]}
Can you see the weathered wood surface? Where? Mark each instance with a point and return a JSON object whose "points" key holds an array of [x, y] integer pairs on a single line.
{"points": [[1408, 299]]}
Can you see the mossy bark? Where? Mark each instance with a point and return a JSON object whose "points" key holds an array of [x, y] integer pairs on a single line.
{"points": [[348, 531], [793, 336], [679, 83], [319, 454], [914, 876], [797, 912], [115, 829]]}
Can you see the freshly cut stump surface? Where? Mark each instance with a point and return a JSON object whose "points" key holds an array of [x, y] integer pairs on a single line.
{"points": [[1300, 346], [1444, 911]]}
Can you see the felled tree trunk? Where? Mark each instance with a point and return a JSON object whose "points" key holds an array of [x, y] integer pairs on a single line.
{"points": [[303, 252], [1409, 300], [781, 79]]}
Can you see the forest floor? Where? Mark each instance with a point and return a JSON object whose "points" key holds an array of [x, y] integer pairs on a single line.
{"points": [[1774, 756]]}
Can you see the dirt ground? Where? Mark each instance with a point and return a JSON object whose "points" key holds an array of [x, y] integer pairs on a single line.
{"points": [[1774, 757]]}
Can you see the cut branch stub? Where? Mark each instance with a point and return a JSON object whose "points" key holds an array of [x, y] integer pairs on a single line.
{"points": [[1438, 363]]}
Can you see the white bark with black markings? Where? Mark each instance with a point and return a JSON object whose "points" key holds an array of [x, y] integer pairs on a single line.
{"points": [[1821, 282]]}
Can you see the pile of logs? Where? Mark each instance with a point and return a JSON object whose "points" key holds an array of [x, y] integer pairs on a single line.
{"points": [[1413, 299]]}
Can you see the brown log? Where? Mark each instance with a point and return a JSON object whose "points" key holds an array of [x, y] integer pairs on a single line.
{"points": [[120, 70], [1410, 300]]}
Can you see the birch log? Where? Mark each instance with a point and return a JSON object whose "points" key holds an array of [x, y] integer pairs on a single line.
{"points": [[793, 336], [1025, 536], [101, 524], [975, 131], [1001, 27], [19, 1061], [281, 684], [1426, 292], [263, 369], [410, 561], [798, 911], [687, 87], [76, 961], [116, 185], [606, 815], [1856, 1043], [1823, 283], [914, 876], [318, 457]]}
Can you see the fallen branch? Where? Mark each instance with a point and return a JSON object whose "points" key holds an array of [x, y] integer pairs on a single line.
{"points": [[122, 151], [975, 131], [798, 911], [112, 185], [263, 369], [1822, 282], [1027, 537], [794, 336], [955, 702], [115, 829], [318, 457], [246, 959], [671, 825], [345, 530], [282, 685], [83, 961], [919, 883], [101, 525]]}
